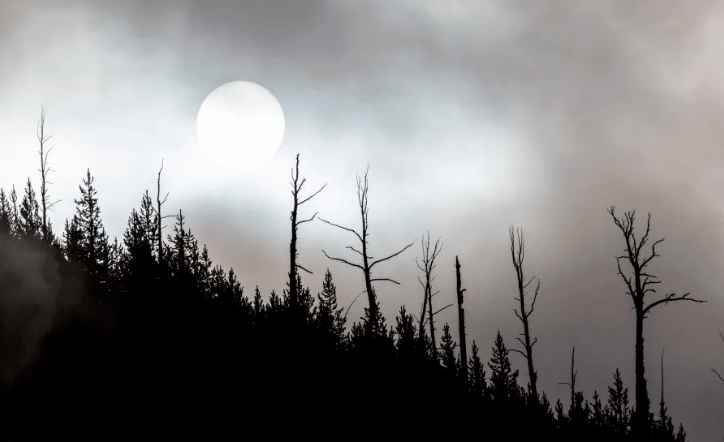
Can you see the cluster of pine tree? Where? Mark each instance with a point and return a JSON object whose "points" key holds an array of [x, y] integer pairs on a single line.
{"points": [[149, 339]]}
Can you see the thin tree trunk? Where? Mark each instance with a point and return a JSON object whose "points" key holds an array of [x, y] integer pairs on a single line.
{"points": [[642, 395], [366, 267], [461, 323], [638, 284], [525, 313], [293, 254], [432, 321], [159, 203]]}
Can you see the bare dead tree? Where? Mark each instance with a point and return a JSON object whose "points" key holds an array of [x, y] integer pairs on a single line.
{"points": [[368, 262], [461, 322], [293, 253], [428, 264], [638, 284], [44, 171], [574, 373], [160, 218], [518, 255], [721, 378]]}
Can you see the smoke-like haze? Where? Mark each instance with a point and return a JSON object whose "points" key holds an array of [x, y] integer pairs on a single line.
{"points": [[472, 115], [34, 289]]}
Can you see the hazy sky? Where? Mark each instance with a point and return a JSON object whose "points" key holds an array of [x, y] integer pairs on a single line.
{"points": [[473, 116]]}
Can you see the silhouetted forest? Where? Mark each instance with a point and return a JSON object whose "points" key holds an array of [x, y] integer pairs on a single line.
{"points": [[146, 338]]}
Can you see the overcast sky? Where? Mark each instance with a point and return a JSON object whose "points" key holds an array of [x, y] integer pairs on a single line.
{"points": [[473, 116]]}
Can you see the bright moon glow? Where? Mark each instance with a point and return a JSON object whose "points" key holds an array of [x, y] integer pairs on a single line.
{"points": [[240, 125]]}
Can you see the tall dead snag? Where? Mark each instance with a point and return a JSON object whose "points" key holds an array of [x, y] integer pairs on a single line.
{"points": [[293, 253], [524, 315], [428, 264], [160, 218], [44, 171], [574, 373], [461, 322], [368, 262], [638, 285]]}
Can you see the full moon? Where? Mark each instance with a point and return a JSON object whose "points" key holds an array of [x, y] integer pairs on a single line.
{"points": [[240, 125]]}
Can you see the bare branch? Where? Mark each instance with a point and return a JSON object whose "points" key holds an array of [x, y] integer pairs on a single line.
{"points": [[421, 283], [391, 256], [342, 261], [518, 351], [535, 296], [449, 305], [354, 250], [300, 267], [384, 279], [626, 280], [517, 314], [307, 220], [717, 373], [311, 196], [341, 227], [670, 298], [352, 303]]}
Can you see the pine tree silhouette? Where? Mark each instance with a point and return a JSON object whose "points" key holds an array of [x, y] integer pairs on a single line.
{"points": [[30, 223], [447, 351], [94, 247], [476, 372], [6, 215], [618, 411], [329, 318], [504, 388]]}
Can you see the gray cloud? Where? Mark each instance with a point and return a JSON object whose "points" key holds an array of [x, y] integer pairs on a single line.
{"points": [[473, 116]]}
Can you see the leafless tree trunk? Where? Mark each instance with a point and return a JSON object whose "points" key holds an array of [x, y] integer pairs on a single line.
{"points": [[461, 322], [44, 171], [293, 253], [368, 262], [428, 264], [638, 285], [524, 315], [159, 203], [574, 373]]}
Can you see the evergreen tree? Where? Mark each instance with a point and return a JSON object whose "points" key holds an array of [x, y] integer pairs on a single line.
{"points": [[578, 411], [147, 218], [258, 304], [328, 316], [503, 380], [447, 351], [30, 223], [218, 285], [618, 412], [598, 417], [73, 238], [136, 240], [237, 291], [276, 304], [561, 418], [14, 217], [476, 374], [6, 214], [302, 310], [94, 245], [372, 333], [406, 337], [183, 248], [681, 434]]}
